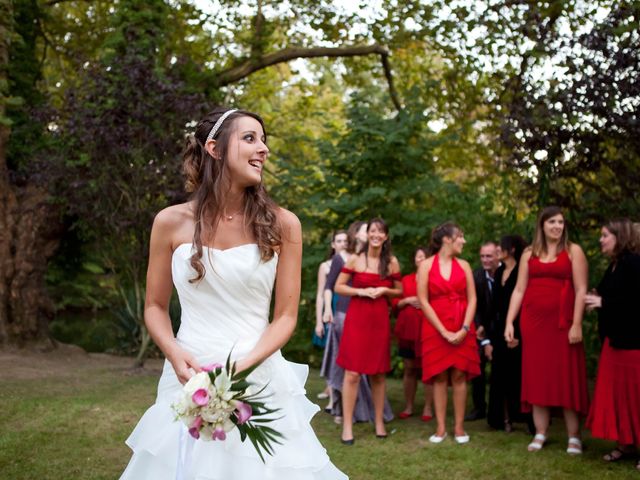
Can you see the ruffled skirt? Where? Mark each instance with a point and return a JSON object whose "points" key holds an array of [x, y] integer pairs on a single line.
{"points": [[159, 442]]}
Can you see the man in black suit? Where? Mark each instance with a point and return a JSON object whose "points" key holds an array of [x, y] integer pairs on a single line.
{"points": [[483, 279]]}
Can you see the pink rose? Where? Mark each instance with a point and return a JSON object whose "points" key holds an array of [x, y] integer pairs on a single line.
{"points": [[218, 434], [211, 367], [243, 412], [200, 397]]}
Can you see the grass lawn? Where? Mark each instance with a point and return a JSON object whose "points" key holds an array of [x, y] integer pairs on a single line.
{"points": [[67, 416]]}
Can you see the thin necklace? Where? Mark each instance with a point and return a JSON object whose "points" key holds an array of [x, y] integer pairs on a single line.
{"points": [[230, 217]]}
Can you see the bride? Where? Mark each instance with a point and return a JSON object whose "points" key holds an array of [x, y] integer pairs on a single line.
{"points": [[224, 250]]}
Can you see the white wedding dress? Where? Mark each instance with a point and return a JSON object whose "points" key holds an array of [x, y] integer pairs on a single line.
{"points": [[227, 310]]}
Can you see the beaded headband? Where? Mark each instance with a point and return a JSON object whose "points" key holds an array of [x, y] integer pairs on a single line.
{"points": [[218, 124]]}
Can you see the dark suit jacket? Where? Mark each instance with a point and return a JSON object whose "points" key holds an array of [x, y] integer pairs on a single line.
{"points": [[484, 309]]}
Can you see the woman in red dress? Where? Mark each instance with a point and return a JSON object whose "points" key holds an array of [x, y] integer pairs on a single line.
{"points": [[615, 411], [551, 287], [366, 338], [407, 332], [449, 352]]}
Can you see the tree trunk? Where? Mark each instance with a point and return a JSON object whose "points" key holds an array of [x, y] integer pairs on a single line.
{"points": [[30, 236], [28, 232]]}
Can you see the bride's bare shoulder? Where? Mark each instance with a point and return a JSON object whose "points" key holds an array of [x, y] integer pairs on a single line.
{"points": [[174, 219]]}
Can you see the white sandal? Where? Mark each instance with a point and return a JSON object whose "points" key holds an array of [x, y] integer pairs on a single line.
{"points": [[574, 446], [537, 443], [437, 439]]}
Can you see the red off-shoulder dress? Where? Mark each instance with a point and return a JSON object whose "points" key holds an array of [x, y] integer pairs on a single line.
{"points": [[366, 337]]}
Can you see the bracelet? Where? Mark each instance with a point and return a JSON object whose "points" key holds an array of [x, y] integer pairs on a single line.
{"points": [[465, 328]]}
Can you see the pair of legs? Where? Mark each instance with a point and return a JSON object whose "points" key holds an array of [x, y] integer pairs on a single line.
{"points": [[541, 416], [350, 395], [410, 385], [458, 381]]}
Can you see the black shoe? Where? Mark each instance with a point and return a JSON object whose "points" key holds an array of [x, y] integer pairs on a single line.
{"points": [[474, 415], [382, 436], [351, 441]]}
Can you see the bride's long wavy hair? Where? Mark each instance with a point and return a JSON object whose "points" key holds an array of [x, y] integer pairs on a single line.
{"points": [[208, 181]]}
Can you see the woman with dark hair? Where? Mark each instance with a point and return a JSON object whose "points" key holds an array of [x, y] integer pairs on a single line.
{"points": [[334, 317], [450, 356], [506, 359], [407, 332], [551, 286], [364, 349], [224, 250], [615, 411]]}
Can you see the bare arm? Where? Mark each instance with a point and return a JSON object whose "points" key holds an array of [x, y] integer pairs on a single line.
{"points": [[158, 295], [580, 274], [470, 311], [518, 294], [322, 280], [396, 290], [287, 293]]}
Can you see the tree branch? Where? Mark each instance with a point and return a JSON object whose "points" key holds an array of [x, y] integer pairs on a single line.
{"points": [[246, 68]]}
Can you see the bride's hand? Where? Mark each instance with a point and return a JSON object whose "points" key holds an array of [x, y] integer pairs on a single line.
{"points": [[184, 364]]}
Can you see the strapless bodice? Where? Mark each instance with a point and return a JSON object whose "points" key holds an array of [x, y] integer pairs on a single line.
{"points": [[229, 306]]}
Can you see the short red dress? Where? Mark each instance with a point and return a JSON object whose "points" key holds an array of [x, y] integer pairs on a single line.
{"points": [[554, 372], [366, 337], [449, 300], [409, 320]]}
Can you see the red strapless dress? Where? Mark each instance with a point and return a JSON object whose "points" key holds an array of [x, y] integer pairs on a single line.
{"points": [[449, 300], [554, 372], [366, 337]]}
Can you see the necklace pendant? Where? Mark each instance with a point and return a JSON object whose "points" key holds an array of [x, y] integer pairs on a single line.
{"points": [[229, 217]]}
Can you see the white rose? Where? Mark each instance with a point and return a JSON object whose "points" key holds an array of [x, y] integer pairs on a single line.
{"points": [[198, 381]]}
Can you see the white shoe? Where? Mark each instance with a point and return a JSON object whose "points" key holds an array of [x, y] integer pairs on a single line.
{"points": [[537, 443], [575, 446], [322, 395], [436, 439], [461, 439]]}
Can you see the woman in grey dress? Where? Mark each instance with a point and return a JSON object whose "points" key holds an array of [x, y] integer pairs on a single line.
{"points": [[335, 309]]}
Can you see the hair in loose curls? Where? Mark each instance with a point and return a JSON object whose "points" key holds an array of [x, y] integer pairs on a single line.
{"points": [[627, 236], [539, 245], [385, 252], [446, 229], [207, 180]]}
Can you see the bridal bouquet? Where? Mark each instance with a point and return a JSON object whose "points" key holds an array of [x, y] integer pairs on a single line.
{"points": [[219, 399]]}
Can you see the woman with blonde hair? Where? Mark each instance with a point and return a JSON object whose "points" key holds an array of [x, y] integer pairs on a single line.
{"points": [[549, 294]]}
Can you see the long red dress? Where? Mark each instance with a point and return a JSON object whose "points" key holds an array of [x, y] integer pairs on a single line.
{"points": [[366, 337], [449, 300], [409, 320], [554, 372]]}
